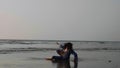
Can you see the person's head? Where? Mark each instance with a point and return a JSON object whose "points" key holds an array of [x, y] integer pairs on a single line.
{"points": [[68, 45]]}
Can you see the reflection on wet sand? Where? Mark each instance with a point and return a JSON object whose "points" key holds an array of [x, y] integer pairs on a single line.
{"points": [[66, 64]]}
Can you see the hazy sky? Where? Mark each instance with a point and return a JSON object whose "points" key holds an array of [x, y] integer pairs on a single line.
{"points": [[91, 20]]}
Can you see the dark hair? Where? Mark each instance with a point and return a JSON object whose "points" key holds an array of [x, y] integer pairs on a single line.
{"points": [[69, 46]]}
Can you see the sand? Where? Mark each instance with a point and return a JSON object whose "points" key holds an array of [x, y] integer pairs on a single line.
{"points": [[93, 59], [35, 58]]}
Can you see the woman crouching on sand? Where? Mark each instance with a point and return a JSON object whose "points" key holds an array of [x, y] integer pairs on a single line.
{"points": [[68, 50]]}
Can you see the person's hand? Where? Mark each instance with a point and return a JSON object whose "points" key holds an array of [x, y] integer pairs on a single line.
{"points": [[48, 58], [65, 50], [75, 61]]}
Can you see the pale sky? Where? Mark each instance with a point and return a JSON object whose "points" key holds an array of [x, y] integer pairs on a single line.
{"points": [[89, 20]]}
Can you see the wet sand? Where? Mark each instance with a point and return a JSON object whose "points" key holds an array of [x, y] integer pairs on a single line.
{"points": [[32, 56], [93, 59]]}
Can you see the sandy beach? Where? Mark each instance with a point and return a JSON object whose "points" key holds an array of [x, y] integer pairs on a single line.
{"points": [[24, 57]]}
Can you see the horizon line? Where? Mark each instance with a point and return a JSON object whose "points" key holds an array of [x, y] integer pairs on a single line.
{"points": [[59, 40]]}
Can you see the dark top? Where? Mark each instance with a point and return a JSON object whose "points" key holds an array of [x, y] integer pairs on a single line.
{"points": [[66, 56]]}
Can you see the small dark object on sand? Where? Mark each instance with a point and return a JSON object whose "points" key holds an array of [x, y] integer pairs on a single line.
{"points": [[109, 61]]}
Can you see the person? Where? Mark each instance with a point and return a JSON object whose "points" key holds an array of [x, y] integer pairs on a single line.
{"points": [[68, 50]]}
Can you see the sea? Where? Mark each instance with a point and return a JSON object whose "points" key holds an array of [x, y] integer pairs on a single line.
{"points": [[32, 54]]}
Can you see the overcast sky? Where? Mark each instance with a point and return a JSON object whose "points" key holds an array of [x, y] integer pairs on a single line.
{"points": [[90, 20]]}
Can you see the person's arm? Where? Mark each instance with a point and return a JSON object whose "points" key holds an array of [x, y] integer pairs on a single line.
{"points": [[75, 56]]}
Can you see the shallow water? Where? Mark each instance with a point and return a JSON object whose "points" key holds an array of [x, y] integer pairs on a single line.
{"points": [[91, 55]]}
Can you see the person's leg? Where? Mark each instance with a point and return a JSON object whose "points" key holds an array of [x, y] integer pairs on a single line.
{"points": [[60, 52], [55, 58]]}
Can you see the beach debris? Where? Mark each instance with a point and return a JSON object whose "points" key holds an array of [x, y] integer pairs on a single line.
{"points": [[109, 61]]}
